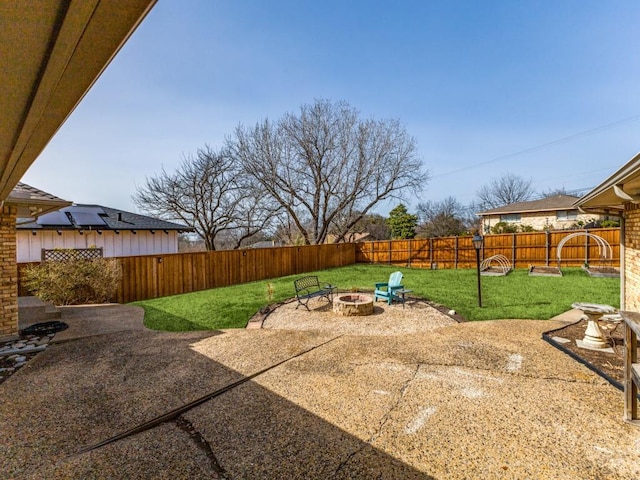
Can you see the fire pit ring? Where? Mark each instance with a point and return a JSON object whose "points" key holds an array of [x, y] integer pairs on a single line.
{"points": [[353, 304]]}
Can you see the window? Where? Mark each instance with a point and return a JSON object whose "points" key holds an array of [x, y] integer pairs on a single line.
{"points": [[566, 215], [510, 218]]}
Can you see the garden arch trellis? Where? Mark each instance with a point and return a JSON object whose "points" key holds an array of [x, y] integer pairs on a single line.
{"points": [[605, 252], [495, 265]]}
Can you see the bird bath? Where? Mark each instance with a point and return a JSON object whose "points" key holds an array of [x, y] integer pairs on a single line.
{"points": [[593, 336]]}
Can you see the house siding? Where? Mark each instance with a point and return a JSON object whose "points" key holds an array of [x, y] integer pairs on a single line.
{"points": [[124, 244], [631, 292]]}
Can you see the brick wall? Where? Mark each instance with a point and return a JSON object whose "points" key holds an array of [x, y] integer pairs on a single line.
{"points": [[632, 257], [8, 273]]}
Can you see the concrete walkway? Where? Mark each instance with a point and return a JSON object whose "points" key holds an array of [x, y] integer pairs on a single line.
{"points": [[484, 400]]}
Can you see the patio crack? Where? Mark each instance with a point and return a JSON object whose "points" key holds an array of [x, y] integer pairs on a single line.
{"points": [[173, 414], [186, 426], [393, 407], [383, 421]]}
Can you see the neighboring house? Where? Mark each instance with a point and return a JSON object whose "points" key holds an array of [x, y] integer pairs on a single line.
{"points": [[557, 212], [117, 232], [621, 193]]}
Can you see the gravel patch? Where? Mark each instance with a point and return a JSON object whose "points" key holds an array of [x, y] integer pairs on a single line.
{"points": [[416, 316]]}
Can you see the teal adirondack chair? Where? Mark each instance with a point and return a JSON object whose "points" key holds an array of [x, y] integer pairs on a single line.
{"points": [[386, 290]]}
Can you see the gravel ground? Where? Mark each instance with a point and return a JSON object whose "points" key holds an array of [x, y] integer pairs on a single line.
{"points": [[416, 316]]}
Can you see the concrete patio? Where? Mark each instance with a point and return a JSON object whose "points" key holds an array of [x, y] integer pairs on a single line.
{"points": [[429, 398]]}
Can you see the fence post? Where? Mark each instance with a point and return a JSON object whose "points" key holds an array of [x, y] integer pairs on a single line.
{"points": [[409, 262], [373, 252], [513, 250], [546, 236], [159, 276], [390, 251], [586, 247], [430, 252], [455, 253]]}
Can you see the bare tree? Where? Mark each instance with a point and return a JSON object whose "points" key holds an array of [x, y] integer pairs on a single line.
{"points": [[470, 217], [375, 225], [208, 194], [505, 190], [370, 225], [441, 219], [324, 165], [255, 213], [286, 233], [552, 192]]}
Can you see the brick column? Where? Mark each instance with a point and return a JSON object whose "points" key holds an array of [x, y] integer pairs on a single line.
{"points": [[631, 272], [8, 273]]}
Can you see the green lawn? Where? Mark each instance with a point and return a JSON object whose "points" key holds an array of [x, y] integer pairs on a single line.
{"points": [[515, 296]]}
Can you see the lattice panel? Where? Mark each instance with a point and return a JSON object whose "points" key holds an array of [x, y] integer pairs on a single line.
{"points": [[61, 255]]}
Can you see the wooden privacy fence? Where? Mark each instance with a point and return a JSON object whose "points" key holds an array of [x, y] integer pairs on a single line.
{"points": [[153, 276], [522, 249]]}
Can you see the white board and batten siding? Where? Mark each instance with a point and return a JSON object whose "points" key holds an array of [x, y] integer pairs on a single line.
{"points": [[124, 244]]}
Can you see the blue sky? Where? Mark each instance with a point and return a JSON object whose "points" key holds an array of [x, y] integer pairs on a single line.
{"points": [[474, 82]]}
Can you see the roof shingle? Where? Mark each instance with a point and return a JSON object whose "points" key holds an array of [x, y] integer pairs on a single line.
{"points": [[113, 219], [554, 203]]}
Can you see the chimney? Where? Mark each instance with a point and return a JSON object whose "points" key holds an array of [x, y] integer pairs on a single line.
{"points": [[119, 216]]}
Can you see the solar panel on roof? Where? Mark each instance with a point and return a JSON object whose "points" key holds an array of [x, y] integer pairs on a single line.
{"points": [[82, 209], [58, 219], [87, 219]]}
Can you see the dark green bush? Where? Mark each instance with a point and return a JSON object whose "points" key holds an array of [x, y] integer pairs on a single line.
{"points": [[74, 282], [504, 227], [609, 224]]}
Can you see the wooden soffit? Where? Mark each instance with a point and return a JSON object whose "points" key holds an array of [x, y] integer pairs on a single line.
{"points": [[51, 53]]}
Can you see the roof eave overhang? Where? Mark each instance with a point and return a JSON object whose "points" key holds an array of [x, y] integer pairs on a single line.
{"points": [[537, 210], [104, 228], [620, 188], [31, 202], [50, 56], [32, 209]]}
